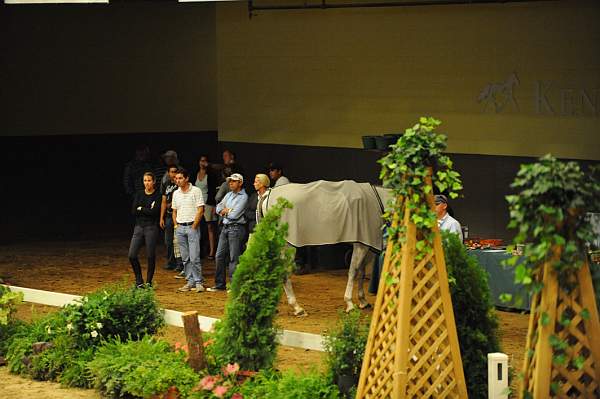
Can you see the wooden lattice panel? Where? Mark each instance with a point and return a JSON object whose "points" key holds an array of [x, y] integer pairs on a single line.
{"points": [[412, 350], [582, 335]]}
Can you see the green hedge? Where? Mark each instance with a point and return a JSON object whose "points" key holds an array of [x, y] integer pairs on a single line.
{"points": [[476, 321]]}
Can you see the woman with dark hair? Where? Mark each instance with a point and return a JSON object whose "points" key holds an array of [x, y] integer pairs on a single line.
{"points": [[146, 209], [206, 181]]}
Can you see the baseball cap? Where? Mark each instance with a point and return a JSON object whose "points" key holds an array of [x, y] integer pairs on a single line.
{"points": [[236, 176], [440, 199]]}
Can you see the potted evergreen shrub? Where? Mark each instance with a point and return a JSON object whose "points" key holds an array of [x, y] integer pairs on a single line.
{"points": [[345, 348]]}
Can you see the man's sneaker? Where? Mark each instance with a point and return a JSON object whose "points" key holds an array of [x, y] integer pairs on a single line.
{"points": [[180, 275], [186, 288], [199, 287], [216, 288]]}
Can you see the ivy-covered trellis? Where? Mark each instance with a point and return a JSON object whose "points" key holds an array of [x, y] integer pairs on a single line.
{"points": [[562, 356], [412, 349]]}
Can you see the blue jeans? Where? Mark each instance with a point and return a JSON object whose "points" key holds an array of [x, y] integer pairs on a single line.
{"points": [[189, 246], [230, 245]]}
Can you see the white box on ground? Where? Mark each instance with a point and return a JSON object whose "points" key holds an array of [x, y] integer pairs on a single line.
{"points": [[497, 376]]}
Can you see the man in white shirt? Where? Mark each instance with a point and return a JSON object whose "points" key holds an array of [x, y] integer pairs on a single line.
{"points": [[276, 175], [188, 209], [445, 221]]}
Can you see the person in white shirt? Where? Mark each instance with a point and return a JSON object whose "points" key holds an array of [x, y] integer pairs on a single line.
{"points": [[276, 175], [445, 221], [188, 209]]}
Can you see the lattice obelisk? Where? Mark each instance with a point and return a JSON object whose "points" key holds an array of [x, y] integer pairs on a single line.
{"points": [[412, 350], [575, 374]]}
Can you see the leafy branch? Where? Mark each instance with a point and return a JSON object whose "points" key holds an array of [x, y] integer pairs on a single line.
{"points": [[418, 155]]}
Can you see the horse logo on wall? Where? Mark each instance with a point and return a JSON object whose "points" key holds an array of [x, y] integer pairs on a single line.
{"points": [[499, 95]]}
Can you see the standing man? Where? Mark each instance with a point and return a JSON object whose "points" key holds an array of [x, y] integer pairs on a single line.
{"points": [[445, 221], [133, 175], [166, 219], [276, 174], [188, 209], [231, 208], [169, 158]]}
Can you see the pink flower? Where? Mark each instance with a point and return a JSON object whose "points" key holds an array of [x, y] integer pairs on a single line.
{"points": [[220, 391], [208, 382], [231, 369], [237, 395]]}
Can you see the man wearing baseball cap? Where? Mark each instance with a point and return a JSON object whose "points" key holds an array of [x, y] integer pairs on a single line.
{"points": [[231, 208], [445, 221]]}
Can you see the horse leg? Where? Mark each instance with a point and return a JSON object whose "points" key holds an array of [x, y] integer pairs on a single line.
{"points": [[291, 297], [368, 259], [358, 254]]}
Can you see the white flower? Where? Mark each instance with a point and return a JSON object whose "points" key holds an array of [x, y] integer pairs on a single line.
{"points": [[69, 326], [48, 330], [99, 325], [94, 334]]}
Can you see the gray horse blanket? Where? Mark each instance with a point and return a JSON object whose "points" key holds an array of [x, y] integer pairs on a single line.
{"points": [[328, 212]]}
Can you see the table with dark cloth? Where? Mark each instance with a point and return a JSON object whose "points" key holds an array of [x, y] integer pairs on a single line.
{"points": [[501, 279]]}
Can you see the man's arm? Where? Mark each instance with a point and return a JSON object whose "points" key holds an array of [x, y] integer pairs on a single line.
{"points": [[238, 207], [198, 218], [175, 217], [163, 211]]}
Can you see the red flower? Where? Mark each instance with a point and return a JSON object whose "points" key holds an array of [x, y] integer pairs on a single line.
{"points": [[220, 391]]}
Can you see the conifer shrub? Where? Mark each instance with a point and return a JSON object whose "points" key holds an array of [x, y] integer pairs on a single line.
{"points": [[476, 321], [246, 334]]}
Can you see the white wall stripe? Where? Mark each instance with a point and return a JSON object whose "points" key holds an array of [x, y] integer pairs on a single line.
{"points": [[172, 317]]}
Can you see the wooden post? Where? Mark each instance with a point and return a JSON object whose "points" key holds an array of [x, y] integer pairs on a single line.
{"points": [[193, 336]]}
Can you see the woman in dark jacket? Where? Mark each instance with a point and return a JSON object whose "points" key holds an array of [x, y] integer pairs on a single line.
{"points": [[146, 209], [207, 182]]}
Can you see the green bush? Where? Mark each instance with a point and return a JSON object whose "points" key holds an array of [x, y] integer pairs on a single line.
{"points": [[114, 311], [246, 334], [76, 331], [8, 325], [345, 344], [476, 322], [140, 369], [289, 385]]}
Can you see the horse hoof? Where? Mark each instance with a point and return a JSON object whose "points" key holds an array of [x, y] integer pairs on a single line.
{"points": [[349, 307], [364, 306], [300, 313]]}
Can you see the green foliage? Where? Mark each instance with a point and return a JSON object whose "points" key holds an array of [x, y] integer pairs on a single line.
{"points": [[246, 334], [345, 344], [405, 170], [289, 385], [140, 369], [476, 321], [114, 311], [76, 331], [8, 304], [549, 213]]}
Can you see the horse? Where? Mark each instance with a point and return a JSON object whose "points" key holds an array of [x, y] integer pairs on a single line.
{"points": [[328, 212], [499, 94]]}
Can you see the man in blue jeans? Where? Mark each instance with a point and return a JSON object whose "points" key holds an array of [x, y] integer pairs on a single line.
{"points": [[188, 209], [231, 208]]}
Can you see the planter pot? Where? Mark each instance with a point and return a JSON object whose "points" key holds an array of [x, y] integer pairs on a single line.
{"points": [[345, 384], [383, 142], [394, 136], [368, 142]]}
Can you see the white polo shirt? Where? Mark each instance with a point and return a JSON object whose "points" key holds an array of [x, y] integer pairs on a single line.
{"points": [[187, 203]]}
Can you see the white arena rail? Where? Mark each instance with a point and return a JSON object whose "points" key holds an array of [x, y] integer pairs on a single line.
{"points": [[172, 317]]}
